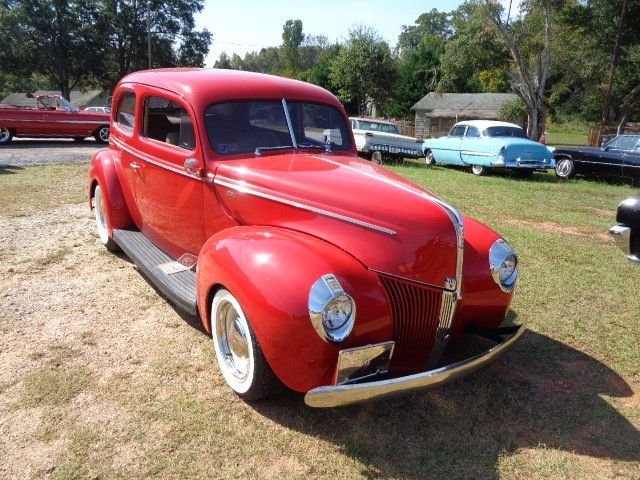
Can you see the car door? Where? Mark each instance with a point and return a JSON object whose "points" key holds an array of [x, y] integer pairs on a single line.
{"points": [[449, 147], [610, 159], [169, 183], [474, 150], [631, 161]]}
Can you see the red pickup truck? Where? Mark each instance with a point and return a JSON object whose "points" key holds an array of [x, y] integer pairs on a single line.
{"points": [[52, 116]]}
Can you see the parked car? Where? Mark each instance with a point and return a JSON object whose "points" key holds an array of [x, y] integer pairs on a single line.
{"points": [[627, 232], [483, 145], [620, 157], [52, 116], [98, 109], [380, 141], [310, 267]]}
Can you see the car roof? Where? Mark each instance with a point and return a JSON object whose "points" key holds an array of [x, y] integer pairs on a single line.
{"points": [[482, 124], [204, 86], [373, 120]]}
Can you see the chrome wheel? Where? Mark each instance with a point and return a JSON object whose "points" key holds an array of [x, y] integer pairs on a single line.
{"points": [[428, 157], [478, 170], [5, 135], [564, 168], [232, 342], [376, 157]]}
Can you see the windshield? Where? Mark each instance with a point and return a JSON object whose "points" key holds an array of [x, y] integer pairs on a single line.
{"points": [[377, 127], [57, 103], [505, 132], [254, 126], [625, 142]]}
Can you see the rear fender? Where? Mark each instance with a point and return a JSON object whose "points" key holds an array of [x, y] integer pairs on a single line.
{"points": [[102, 171], [271, 271]]}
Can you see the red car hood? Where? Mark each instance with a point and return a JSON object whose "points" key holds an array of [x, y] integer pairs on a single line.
{"points": [[388, 223]]}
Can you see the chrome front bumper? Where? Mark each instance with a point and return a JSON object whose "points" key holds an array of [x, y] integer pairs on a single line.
{"points": [[340, 395], [622, 236]]}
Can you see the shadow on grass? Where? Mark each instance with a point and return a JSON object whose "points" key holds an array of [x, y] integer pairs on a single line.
{"points": [[34, 143], [9, 169], [542, 393]]}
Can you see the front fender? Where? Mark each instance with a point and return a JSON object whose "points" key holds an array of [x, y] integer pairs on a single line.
{"points": [[271, 271], [102, 171]]}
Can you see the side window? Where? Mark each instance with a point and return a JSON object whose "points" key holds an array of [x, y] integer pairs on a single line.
{"points": [[167, 121], [126, 110], [472, 132], [457, 131]]}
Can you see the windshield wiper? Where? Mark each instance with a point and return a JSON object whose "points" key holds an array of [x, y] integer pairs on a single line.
{"points": [[259, 150], [326, 147]]}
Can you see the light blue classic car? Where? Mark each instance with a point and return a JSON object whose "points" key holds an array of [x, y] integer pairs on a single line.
{"points": [[483, 145]]}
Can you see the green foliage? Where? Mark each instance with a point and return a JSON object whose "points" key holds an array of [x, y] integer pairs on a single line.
{"points": [[513, 111], [364, 70], [292, 38]]}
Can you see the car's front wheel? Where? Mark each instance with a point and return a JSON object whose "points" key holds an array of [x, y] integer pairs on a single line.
{"points": [[429, 158], [6, 136], [102, 134], [100, 211], [239, 355], [565, 168]]}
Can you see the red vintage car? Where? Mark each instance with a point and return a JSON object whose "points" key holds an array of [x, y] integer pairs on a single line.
{"points": [[52, 116], [242, 198]]}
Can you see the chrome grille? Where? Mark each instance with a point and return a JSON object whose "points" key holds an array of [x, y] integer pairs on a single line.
{"points": [[416, 314]]}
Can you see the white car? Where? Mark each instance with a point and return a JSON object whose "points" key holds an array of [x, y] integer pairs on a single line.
{"points": [[98, 109], [380, 141]]}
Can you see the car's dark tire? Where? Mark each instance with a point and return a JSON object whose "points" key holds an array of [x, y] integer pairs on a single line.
{"points": [[429, 159], [479, 170], [238, 351], [102, 134], [565, 168], [6, 135], [376, 157], [101, 215]]}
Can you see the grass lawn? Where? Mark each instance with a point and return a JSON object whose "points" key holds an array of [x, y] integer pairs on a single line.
{"points": [[563, 403]]}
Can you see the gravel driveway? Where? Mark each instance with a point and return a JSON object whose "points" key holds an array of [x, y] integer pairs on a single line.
{"points": [[22, 152]]}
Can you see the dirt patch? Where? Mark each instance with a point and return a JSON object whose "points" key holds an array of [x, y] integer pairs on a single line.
{"points": [[551, 227]]}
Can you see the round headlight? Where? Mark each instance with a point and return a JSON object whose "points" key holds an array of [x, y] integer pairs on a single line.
{"points": [[331, 310], [503, 264]]}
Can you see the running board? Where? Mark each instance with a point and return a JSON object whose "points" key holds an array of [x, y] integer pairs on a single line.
{"points": [[178, 287]]}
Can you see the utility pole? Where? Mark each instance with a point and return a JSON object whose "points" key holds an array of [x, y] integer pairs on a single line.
{"points": [[149, 33]]}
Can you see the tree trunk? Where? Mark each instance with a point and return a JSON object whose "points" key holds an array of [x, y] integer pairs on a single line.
{"points": [[615, 59]]}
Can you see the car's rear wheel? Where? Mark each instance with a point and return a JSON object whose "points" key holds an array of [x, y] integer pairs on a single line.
{"points": [[6, 136], [479, 170], [239, 355], [376, 157], [102, 134], [100, 210], [565, 168], [429, 158]]}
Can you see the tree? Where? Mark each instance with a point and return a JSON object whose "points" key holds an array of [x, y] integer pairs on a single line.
{"points": [[364, 70], [433, 23], [60, 39], [223, 62], [529, 41], [473, 48], [292, 38]]}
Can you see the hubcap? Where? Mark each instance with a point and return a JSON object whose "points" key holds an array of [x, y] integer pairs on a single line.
{"points": [[232, 340], [563, 168], [104, 134], [4, 134], [477, 169], [429, 158]]}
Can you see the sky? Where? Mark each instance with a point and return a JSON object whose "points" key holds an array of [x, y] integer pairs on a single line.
{"points": [[241, 26]]}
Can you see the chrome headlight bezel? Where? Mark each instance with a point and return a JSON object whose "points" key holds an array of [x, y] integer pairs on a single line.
{"points": [[331, 310], [503, 265]]}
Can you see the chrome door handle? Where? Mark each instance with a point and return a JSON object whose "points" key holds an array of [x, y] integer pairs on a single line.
{"points": [[192, 167]]}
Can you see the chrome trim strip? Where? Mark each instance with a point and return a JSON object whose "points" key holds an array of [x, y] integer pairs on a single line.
{"points": [[454, 215], [147, 159], [409, 280], [340, 395], [246, 188], [83, 122], [478, 154], [447, 312], [289, 124]]}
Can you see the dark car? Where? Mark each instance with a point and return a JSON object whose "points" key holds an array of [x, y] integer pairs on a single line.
{"points": [[627, 232], [619, 157]]}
